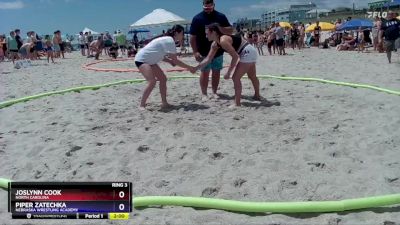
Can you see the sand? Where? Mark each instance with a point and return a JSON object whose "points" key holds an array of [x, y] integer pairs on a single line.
{"points": [[308, 142]]}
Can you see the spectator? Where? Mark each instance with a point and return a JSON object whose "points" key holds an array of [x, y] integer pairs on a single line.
{"points": [[201, 46], [391, 32], [317, 34]]}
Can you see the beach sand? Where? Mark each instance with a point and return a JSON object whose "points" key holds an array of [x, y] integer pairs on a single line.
{"points": [[308, 142]]}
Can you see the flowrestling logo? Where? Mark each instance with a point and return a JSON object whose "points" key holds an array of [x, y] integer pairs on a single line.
{"points": [[376, 14]]}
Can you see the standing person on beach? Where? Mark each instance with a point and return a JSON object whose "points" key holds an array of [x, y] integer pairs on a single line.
{"points": [[161, 48], [2, 44], [273, 41], [244, 58], [81, 40], [302, 31], [294, 36], [136, 41], [107, 43], [18, 38], [61, 43], [87, 42], [49, 49], [260, 43], [12, 46], [317, 33], [56, 45], [391, 32], [121, 41], [201, 46], [280, 41], [270, 40], [338, 34], [90, 39]]}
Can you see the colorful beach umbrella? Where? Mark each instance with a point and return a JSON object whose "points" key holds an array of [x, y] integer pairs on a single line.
{"points": [[355, 24], [285, 25], [324, 27]]}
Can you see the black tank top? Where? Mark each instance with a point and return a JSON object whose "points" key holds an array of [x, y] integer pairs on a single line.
{"points": [[236, 42]]}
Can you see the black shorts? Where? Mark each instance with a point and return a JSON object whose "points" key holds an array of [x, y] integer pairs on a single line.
{"points": [[14, 50], [122, 47], [270, 44], [138, 64], [108, 43], [62, 47], [38, 46], [82, 46], [367, 40], [280, 42], [114, 55]]}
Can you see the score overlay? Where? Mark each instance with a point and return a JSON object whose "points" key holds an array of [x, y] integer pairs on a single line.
{"points": [[70, 200]]}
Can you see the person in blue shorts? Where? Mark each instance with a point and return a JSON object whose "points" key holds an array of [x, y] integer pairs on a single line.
{"points": [[201, 45]]}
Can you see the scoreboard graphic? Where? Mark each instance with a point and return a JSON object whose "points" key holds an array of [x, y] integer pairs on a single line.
{"points": [[70, 200]]}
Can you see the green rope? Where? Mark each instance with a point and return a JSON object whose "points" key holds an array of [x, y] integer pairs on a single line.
{"points": [[96, 87], [274, 207], [259, 207]]}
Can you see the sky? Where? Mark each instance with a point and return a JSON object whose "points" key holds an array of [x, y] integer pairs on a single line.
{"points": [[71, 16]]}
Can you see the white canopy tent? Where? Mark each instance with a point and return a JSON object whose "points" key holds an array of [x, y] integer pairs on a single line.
{"points": [[89, 30], [159, 17]]}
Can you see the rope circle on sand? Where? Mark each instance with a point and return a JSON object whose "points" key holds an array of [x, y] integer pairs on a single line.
{"points": [[239, 206], [260, 207], [96, 87]]}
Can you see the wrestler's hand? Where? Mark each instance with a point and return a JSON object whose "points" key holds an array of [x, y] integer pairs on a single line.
{"points": [[198, 57], [227, 76], [193, 69]]}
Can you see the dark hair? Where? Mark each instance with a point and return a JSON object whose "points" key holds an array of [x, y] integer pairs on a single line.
{"points": [[16, 30], [175, 29], [171, 32], [214, 27], [206, 2]]}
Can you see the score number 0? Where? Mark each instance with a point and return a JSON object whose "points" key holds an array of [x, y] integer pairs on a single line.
{"points": [[121, 206]]}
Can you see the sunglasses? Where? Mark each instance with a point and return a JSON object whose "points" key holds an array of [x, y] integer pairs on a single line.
{"points": [[208, 7]]}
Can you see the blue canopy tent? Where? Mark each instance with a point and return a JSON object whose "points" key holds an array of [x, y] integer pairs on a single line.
{"points": [[392, 3], [355, 24], [142, 30]]}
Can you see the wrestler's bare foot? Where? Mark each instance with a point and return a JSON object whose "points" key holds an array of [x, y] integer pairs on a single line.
{"points": [[142, 108], [234, 106], [215, 96], [165, 106], [204, 98], [257, 98]]}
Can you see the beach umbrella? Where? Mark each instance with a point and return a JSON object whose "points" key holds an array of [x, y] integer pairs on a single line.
{"points": [[355, 24], [285, 25], [324, 27]]}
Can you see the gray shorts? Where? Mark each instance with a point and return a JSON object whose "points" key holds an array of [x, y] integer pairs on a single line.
{"points": [[390, 45], [397, 44]]}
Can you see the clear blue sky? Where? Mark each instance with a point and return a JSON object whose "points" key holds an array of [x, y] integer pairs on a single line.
{"points": [[71, 16]]}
